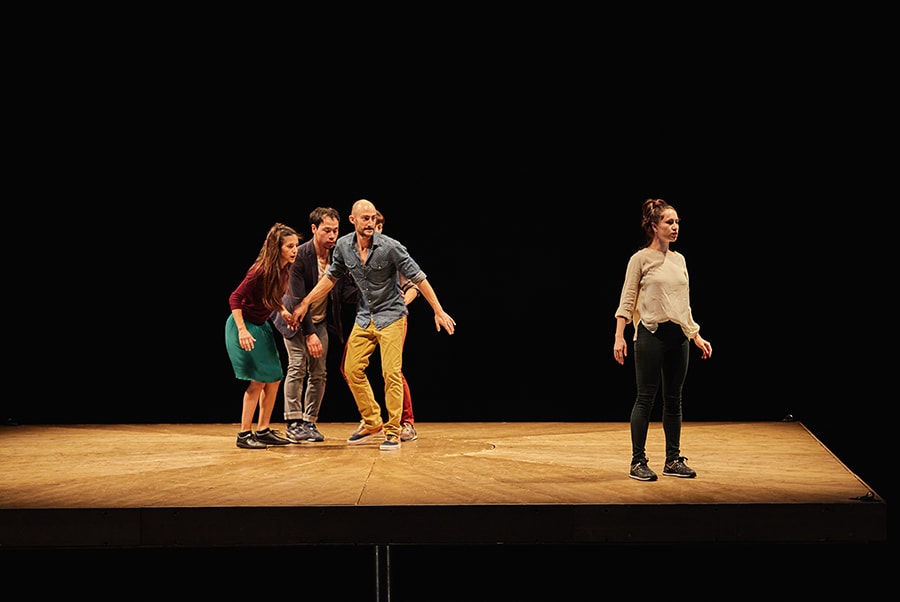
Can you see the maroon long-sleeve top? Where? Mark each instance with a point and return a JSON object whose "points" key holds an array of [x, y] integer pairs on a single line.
{"points": [[248, 296]]}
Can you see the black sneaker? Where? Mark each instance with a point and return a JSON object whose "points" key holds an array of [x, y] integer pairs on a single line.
{"points": [[642, 472], [271, 437], [678, 468], [249, 441]]}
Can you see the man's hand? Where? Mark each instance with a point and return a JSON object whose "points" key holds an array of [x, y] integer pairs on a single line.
{"points": [[443, 319]]}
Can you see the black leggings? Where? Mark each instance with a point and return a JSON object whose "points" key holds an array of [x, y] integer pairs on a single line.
{"points": [[660, 360]]}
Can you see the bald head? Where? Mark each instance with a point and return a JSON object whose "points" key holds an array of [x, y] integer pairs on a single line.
{"points": [[362, 216], [362, 206]]}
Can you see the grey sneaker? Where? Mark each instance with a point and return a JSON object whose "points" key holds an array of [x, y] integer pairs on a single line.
{"points": [[302, 432], [295, 432], [641, 471], [313, 433], [678, 468], [408, 432]]}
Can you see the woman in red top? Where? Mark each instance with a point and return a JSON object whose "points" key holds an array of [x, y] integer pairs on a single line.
{"points": [[250, 336]]}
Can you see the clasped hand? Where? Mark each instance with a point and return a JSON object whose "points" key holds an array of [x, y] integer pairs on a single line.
{"points": [[292, 322]]}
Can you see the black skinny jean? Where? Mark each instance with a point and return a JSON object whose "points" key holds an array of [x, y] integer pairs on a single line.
{"points": [[660, 361]]}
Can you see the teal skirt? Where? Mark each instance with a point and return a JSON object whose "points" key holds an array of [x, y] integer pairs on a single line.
{"points": [[263, 362]]}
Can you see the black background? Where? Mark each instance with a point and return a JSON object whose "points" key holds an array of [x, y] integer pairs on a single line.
{"points": [[510, 152]]}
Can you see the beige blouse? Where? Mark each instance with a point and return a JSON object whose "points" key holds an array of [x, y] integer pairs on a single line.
{"points": [[656, 289]]}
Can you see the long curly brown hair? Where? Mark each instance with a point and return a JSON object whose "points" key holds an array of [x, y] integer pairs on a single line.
{"points": [[268, 264]]}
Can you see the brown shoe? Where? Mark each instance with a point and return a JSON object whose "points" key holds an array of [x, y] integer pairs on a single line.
{"points": [[362, 434]]}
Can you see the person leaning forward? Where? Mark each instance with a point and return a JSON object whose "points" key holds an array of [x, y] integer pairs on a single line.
{"points": [[375, 262]]}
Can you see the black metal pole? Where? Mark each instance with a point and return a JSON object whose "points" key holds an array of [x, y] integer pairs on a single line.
{"points": [[382, 573]]}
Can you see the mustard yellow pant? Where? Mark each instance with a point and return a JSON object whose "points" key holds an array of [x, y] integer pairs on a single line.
{"points": [[360, 346]]}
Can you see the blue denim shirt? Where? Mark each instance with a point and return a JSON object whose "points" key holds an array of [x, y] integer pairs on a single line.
{"points": [[380, 298]]}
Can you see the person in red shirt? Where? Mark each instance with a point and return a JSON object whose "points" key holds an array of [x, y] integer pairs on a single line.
{"points": [[250, 336], [410, 293]]}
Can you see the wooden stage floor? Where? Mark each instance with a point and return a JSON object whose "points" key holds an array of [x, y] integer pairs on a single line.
{"points": [[187, 485]]}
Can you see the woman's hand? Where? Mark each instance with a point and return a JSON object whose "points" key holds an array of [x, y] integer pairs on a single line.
{"points": [[705, 347], [620, 350]]}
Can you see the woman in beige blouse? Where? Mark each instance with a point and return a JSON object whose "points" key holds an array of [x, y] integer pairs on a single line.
{"points": [[656, 300]]}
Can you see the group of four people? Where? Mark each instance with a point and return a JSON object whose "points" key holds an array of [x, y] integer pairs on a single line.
{"points": [[366, 268]]}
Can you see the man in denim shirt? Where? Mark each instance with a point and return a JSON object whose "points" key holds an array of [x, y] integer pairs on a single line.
{"points": [[374, 261]]}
